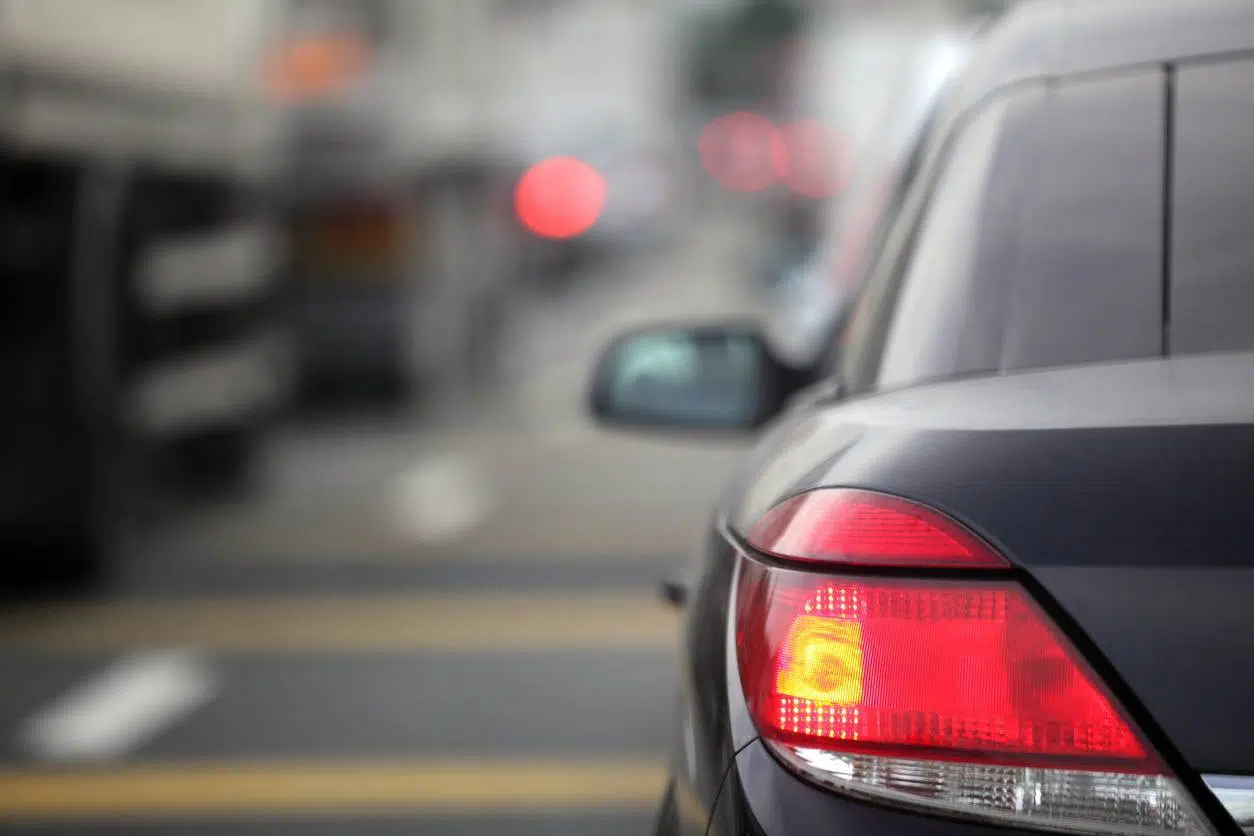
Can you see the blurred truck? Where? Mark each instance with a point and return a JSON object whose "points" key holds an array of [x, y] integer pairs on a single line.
{"points": [[480, 143], [138, 263], [397, 205]]}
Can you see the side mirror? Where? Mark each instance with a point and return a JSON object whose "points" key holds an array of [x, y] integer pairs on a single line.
{"points": [[675, 590], [713, 377]]}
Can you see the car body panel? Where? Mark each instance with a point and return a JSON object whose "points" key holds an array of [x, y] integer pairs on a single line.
{"points": [[705, 737], [1109, 448], [1116, 487], [1137, 459], [1180, 392]]}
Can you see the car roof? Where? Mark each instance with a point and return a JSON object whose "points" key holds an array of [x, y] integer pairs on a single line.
{"points": [[1043, 40]]}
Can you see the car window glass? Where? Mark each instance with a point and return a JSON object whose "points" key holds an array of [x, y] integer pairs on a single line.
{"points": [[1212, 268], [700, 378], [1039, 243], [929, 315], [670, 357], [863, 224], [1087, 275], [947, 198]]}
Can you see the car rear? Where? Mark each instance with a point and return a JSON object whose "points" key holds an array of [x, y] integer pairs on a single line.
{"points": [[1005, 580], [1039, 613]]}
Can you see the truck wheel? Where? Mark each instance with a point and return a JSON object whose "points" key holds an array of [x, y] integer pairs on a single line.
{"points": [[76, 559], [77, 552], [224, 462]]}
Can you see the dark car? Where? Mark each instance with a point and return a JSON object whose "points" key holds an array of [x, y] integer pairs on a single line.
{"points": [[139, 343], [995, 570]]}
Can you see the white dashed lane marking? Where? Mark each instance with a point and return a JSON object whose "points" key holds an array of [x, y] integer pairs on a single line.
{"points": [[120, 708]]}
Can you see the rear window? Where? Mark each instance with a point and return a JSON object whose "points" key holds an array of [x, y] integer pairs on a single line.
{"points": [[1088, 276], [1212, 265], [1039, 242], [941, 279], [923, 314]]}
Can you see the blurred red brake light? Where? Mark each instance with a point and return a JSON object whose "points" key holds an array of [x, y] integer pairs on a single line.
{"points": [[560, 197], [744, 152]]}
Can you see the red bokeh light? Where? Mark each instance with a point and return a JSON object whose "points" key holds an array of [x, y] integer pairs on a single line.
{"points": [[817, 159], [560, 197], [744, 152]]}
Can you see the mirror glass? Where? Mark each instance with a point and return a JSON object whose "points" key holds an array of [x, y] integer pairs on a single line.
{"points": [[699, 378]]}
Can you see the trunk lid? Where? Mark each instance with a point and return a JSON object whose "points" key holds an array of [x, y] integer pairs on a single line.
{"points": [[1123, 491]]}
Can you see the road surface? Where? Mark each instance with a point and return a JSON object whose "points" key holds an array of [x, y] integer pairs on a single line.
{"points": [[436, 628]]}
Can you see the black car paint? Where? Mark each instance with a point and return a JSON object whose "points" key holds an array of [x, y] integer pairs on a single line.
{"points": [[1150, 574], [1156, 535]]}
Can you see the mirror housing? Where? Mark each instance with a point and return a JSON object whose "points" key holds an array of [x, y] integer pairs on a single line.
{"points": [[712, 378], [675, 590]]}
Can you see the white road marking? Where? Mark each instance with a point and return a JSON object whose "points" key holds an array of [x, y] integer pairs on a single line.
{"points": [[440, 498], [119, 709]]}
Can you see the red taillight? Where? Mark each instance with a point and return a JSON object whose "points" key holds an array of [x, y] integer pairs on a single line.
{"points": [[913, 668], [868, 529], [955, 693]]}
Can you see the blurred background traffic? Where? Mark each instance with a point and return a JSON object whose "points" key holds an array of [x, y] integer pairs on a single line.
{"points": [[304, 524]]}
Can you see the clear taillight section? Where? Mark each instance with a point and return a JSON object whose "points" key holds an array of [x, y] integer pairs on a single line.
{"points": [[1022, 797], [953, 694]]}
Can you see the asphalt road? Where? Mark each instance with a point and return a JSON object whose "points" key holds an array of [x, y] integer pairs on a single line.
{"points": [[412, 629]]}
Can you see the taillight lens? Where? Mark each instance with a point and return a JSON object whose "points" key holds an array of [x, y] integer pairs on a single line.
{"points": [[924, 667], [953, 694], [868, 529]]}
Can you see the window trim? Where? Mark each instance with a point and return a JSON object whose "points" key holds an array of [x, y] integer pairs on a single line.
{"points": [[859, 369], [888, 271]]}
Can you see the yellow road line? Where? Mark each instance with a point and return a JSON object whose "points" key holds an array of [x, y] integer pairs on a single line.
{"points": [[456, 624], [314, 789]]}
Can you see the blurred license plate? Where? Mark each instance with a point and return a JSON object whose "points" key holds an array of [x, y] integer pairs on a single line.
{"points": [[364, 246]]}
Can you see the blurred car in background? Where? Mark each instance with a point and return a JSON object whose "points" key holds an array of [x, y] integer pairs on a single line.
{"points": [[989, 572], [587, 201], [583, 123], [401, 274], [878, 80], [140, 260], [353, 235], [394, 188]]}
